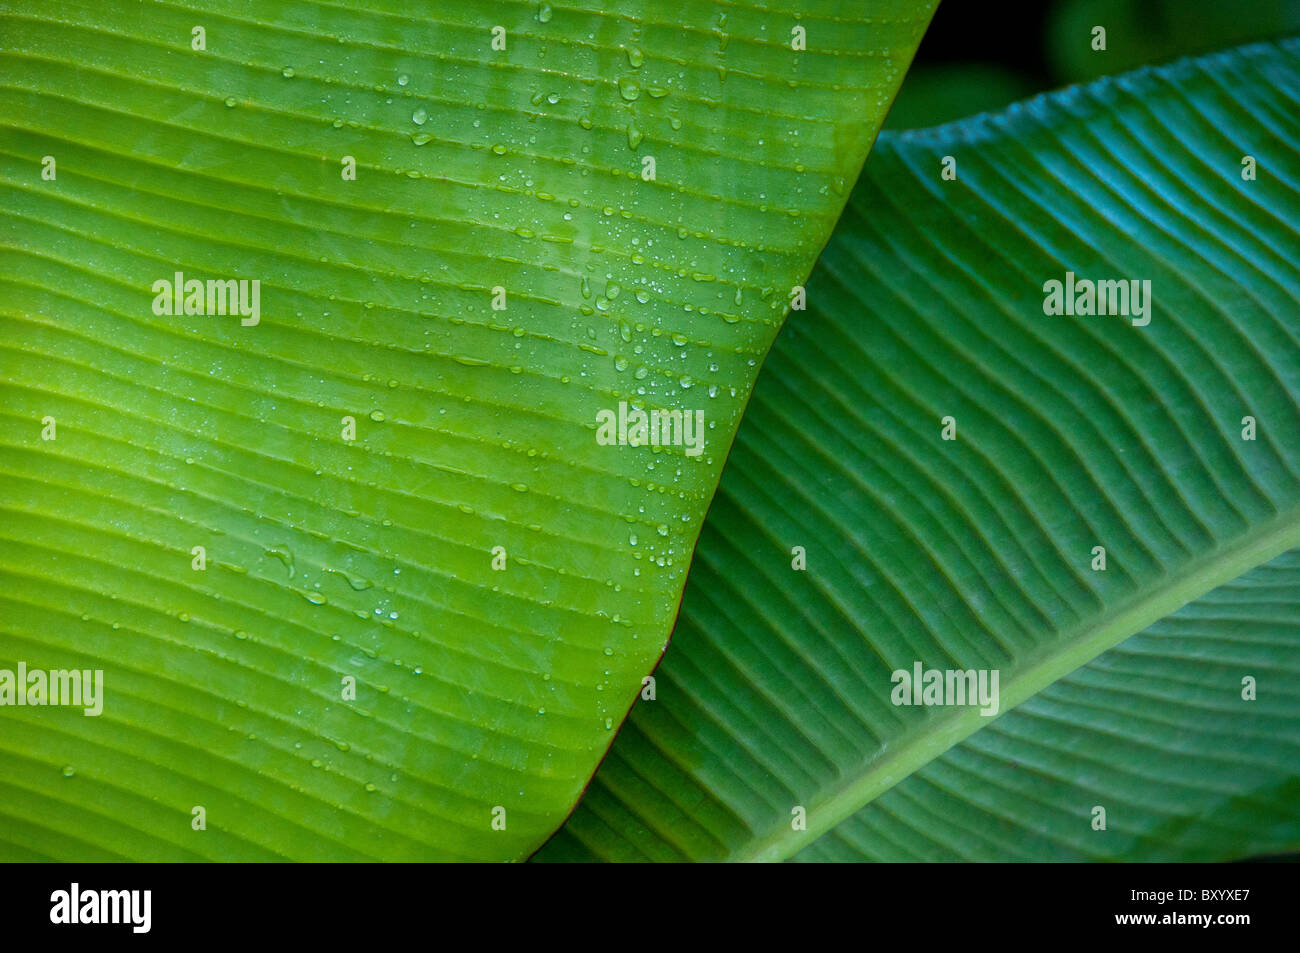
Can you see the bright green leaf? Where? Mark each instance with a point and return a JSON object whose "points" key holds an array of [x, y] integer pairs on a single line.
{"points": [[414, 398]]}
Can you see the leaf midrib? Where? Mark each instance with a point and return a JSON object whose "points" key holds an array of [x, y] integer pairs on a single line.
{"points": [[1198, 577]]}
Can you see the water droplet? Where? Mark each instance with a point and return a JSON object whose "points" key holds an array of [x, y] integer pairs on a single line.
{"points": [[544, 13], [356, 582], [287, 72], [285, 556], [69, 770], [420, 138], [629, 89], [403, 80], [499, 149], [419, 117], [230, 101], [377, 416], [635, 57]]}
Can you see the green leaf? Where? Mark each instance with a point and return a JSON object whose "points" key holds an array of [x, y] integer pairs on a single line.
{"points": [[1155, 731], [1072, 432], [215, 140]]}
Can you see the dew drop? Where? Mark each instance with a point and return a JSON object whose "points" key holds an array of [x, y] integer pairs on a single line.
{"points": [[285, 556]]}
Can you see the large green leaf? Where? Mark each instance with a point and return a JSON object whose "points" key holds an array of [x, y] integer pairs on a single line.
{"points": [[1072, 432], [1154, 730], [477, 168]]}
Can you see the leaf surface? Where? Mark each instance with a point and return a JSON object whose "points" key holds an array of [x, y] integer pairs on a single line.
{"points": [[501, 268], [978, 553]]}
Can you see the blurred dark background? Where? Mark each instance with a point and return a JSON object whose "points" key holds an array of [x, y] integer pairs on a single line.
{"points": [[981, 55]]}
